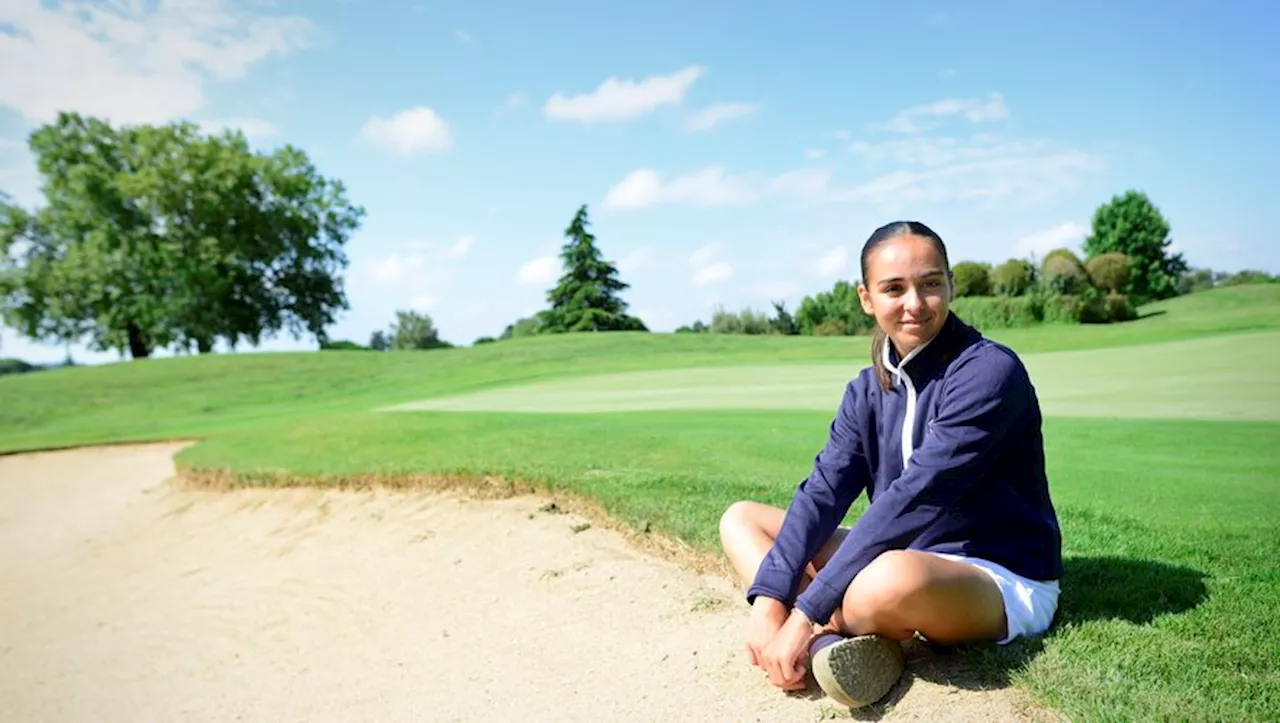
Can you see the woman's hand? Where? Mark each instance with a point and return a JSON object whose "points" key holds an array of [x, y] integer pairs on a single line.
{"points": [[767, 617], [783, 658]]}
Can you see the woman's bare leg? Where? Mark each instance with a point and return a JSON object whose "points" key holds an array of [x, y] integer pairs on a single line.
{"points": [[747, 532], [900, 593], [907, 591]]}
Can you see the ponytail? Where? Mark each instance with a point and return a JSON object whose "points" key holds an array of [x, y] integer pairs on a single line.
{"points": [[877, 358]]}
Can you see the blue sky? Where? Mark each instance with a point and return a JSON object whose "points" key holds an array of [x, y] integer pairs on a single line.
{"points": [[730, 153]]}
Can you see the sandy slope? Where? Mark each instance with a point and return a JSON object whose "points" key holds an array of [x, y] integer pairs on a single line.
{"points": [[126, 599]]}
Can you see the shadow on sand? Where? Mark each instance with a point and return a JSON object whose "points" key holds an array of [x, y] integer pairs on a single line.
{"points": [[1093, 588]]}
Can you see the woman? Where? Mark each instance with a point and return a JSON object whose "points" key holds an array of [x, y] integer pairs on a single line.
{"points": [[960, 542]]}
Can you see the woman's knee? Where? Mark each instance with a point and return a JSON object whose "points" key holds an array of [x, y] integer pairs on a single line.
{"points": [[881, 591], [735, 519]]}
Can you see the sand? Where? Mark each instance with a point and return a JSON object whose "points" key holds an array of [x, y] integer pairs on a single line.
{"points": [[127, 597]]}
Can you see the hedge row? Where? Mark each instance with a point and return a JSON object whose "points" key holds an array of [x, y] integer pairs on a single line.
{"points": [[1006, 312]]}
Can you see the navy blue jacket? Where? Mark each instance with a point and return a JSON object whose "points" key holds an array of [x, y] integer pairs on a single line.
{"points": [[969, 479]]}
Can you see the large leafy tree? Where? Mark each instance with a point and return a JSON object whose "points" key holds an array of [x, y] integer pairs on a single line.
{"points": [[585, 298], [159, 236], [1132, 225]]}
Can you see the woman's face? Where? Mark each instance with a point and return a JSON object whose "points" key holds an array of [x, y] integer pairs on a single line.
{"points": [[908, 290]]}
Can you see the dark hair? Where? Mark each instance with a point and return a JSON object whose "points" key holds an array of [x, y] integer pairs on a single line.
{"points": [[878, 238]]}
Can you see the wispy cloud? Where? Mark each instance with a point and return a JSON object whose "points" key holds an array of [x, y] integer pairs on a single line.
{"points": [[707, 270], [133, 62], [711, 186], [637, 260], [832, 263], [1068, 234], [541, 270], [462, 36], [922, 117], [409, 132], [711, 116], [617, 99]]}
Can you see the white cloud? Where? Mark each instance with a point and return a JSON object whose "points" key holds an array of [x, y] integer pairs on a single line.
{"points": [[462, 36], [517, 100], [1069, 234], [711, 186], [981, 167], [814, 154], [975, 110], [134, 62], [706, 270], [253, 128], [703, 255], [832, 263], [541, 270], [636, 260], [713, 115], [622, 99], [716, 273], [395, 267], [410, 131], [948, 73], [461, 247]]}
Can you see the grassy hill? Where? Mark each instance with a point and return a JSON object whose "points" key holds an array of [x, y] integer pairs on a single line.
{"points": [[1171, 522]]}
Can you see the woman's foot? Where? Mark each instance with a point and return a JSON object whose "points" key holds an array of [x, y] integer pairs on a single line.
{"points": [[857, 671]]}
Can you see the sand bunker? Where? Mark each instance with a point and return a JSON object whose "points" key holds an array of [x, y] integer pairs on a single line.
{"points": [[127, 598]]}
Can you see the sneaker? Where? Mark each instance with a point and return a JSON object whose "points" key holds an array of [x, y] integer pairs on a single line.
{"points": [[857, 671]]}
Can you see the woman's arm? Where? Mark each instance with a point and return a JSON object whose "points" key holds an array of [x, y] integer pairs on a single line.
{"points": [[986, 397], [840, 472]]}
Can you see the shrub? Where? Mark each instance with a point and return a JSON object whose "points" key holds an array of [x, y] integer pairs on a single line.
{"points": [[342, 345], [744, 322], [972, 279], [831, 327], [1108, 272], [16, 366], [483, 340], [996, 312], [1012, 278], [1118, 307], [1063, 273]]}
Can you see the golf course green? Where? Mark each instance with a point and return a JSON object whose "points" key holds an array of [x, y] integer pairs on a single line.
{"points": [[1163, 444]]}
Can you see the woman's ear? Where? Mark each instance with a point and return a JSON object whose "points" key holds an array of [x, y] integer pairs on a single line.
{"points": [[865, 297], [951, 286]]}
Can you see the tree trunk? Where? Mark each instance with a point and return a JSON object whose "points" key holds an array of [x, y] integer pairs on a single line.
{"points": [[204, 346], [137, 347]]}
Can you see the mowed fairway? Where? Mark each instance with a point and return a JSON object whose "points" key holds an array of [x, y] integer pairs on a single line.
{"points": [[1220, 377], [1162, 437]]}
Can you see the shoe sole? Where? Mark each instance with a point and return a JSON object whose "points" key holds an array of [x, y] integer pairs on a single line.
{"points": [[858, 671]]}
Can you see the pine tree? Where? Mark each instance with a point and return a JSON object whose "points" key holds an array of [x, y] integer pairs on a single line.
{"points": [[586, 296]]}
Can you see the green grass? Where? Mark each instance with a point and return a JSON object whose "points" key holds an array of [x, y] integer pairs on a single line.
{"points": [[1216, 377], [1171, 606]]}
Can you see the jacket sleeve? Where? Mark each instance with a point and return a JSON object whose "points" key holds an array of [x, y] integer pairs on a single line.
{"points": [[984, 398], [840, 473]]}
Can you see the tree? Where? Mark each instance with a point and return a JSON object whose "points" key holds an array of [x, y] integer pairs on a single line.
{"points": [[157, 236], [782, 322], [379, 341], [414, 330], [972, 278], [1062, 272], [586, 296], [1013, 278], [1109, 271], [1132, 225], [838, 308]]}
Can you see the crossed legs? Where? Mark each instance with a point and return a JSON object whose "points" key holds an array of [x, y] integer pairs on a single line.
{"points": [[900, 593]]}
